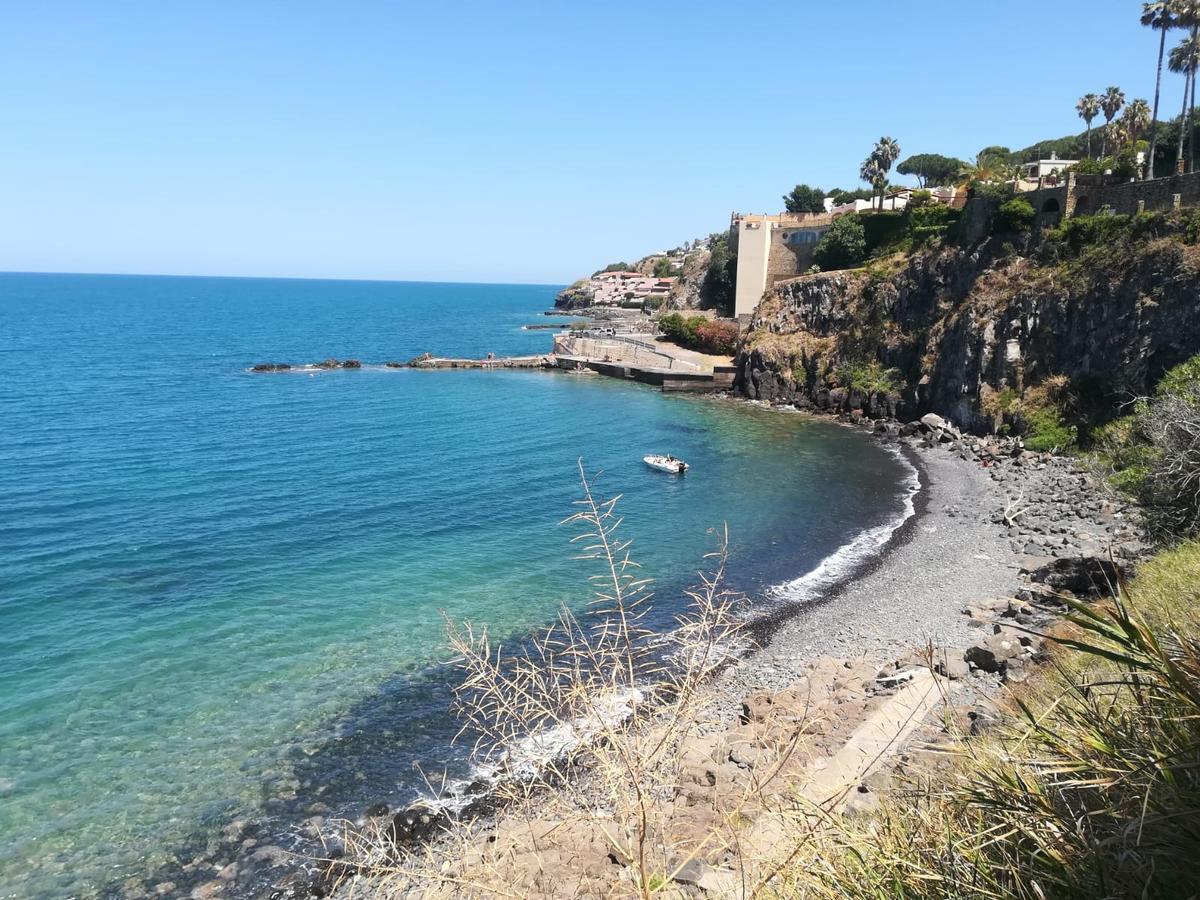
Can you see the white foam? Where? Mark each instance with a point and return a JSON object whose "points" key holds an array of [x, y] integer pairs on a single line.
{"points": [[833, 568], [533, 753]]}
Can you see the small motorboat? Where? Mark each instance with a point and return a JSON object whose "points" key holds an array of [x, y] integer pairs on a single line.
{"points": [[666, 464]]}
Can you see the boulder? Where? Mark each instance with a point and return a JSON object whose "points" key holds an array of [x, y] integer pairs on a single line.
{"points": [[932, 422], [352, 364], [414, 825], [1089, 577], [993, 653]]}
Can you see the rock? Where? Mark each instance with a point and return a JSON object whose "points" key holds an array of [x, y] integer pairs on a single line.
{"points": [[953, 667], [352, 364], [1089, 577], [272, 855], [377, 809], [270, 367], [992, 653], [392, 364], [691, 871], [165, 887], [208, 889], [330, 363], [723, 882], [415, 825], [932, 422]]}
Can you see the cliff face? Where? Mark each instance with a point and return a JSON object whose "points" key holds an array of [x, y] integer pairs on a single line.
{"points": [[960, 326]]}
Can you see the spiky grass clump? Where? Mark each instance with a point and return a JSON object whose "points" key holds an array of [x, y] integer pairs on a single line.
{"points": [[1093, 790]]}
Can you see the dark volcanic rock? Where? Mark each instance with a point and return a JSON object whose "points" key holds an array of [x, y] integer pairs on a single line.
{"points": [[413, 825], [1089, 577], [270, 367], [352, 364], [965, 324], [330, 363]]}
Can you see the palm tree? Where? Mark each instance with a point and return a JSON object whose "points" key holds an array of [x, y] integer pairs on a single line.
{"points": [[886, 152], [1088, 108], [1136, 119], [1110, 105], [986, 168], [1159, 15], [873, 174], [1182, 59]]}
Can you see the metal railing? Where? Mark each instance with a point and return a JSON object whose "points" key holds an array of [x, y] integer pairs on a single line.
{"points": [[613, 345]]}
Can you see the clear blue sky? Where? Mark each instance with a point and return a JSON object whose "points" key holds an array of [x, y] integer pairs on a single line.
{"points": [[488, 141]]}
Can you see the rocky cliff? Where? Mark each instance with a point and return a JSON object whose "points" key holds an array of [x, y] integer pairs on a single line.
{"points": [[969, 333]]}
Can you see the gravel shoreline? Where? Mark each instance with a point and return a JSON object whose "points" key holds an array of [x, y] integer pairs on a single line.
{"points": [[949, 553]]}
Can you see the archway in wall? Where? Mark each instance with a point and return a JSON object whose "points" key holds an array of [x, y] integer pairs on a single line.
{"points": [[1083, 206], [1050, 213]]}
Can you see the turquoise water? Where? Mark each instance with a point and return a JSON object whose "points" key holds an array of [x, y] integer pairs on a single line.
{"points": [[221, 593]]}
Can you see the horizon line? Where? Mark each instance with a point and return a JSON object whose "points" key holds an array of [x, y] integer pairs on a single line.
{"points": [[284, 278]]}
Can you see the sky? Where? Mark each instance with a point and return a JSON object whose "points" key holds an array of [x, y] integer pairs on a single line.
{"points": [[497, 141]]}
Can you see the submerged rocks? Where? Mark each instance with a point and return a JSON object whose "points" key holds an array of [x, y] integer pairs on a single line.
{"points": [[270, 367]]}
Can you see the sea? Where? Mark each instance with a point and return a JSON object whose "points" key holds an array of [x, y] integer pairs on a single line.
{"points": [[223, 595]]}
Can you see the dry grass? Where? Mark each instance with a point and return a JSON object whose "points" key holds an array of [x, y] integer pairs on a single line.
{"points": [[1092, 791]]}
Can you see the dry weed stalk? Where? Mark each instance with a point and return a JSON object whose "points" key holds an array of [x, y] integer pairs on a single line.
{"points": [[588, 729]]}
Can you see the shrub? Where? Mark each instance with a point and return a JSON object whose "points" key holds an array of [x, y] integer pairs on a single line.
{"points": [[1091, 166], [1013, 216], [934, 215], [1045, 430], [884, 232], [869, 378], [717, 337], [843, 246], [681, 329], [920, 200], [1153, 454], [991, 191]]}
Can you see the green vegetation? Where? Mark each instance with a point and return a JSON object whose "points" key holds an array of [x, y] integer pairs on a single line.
{"points": [[1014, 215], [1088, 108], [843, 246], [1090, 791], [931, 169], [1153, 454], [663, 268], [841, 197], [853, 239], [804, 198], [613, 267], [869, 378], [875, 168], [1045, 430], [1111, 102], [720, 278], [928, 223], [699, 333], [1039, 416]]}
